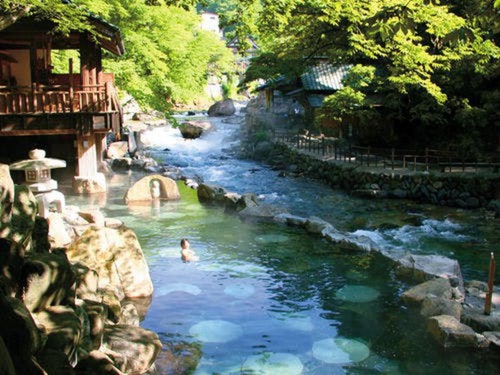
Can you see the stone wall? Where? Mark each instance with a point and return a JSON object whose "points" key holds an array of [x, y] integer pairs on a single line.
{"points": [[466, 190]]}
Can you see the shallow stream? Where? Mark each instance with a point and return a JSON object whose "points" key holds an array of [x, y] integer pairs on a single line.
{"points": [[270, 299]]}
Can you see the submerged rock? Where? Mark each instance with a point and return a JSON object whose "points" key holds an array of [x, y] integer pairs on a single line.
{"points": [[216, 331], [340, 351], [273, 363]]}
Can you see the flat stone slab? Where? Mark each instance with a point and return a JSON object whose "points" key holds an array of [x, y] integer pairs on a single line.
{"points": [[424, 267], [450, 333], [439, 287]]}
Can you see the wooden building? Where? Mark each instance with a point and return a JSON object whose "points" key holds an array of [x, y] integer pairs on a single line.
{"points": [[68, 114]]}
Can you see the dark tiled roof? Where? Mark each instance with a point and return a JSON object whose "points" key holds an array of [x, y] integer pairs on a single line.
{"points": [[324, 77]]}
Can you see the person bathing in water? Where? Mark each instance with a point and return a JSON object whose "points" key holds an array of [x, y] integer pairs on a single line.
{"points": [[187, 254]]}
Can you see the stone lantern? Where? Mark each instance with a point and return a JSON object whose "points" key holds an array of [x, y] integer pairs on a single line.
{"points": [[38, 178]]}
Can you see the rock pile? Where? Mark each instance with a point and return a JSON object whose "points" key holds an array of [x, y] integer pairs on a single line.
{"points": [[453, 310], [73, 288]]}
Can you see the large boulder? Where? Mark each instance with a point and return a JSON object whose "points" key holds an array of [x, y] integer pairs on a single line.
{"points": [[117, 150], [194, 129], [48, 280], [117, 257], [87, 185], [476, 319], [6, 195], [223, 108], [153, 187], [96, 362], [11, 261], [21, 226], [211, 193], [86, 282], [437, 287], [450, 333], [63, 328], [59, 234], [6, 365], [137, 346], [265, 212], [435, 305], [316, 225], [421, 268], [20, 335]]}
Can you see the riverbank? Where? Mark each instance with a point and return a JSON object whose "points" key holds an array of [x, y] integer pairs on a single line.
{"points": [[467, 190]]}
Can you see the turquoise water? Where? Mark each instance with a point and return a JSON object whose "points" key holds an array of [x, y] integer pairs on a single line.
{"points": [[271, 299]]}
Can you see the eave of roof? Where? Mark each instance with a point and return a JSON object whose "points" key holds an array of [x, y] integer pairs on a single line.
{"points": [[324, 77]]}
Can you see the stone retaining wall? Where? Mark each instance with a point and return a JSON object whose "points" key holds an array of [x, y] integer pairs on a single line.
{"points": [[466, 190]]}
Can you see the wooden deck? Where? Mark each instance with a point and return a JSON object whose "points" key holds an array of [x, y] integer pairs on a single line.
{"points": [[57, 99], [58, 109]]}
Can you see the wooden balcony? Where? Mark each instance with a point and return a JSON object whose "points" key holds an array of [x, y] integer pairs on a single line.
{"points": [[58, 109], [58, 99]]}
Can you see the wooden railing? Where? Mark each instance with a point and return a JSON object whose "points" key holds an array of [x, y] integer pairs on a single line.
{"points": [[58, 99], [330, 148]]}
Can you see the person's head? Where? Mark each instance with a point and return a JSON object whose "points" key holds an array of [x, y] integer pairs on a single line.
{"points": [[184, 243]]}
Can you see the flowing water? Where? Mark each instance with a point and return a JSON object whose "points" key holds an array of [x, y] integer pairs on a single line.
{"points": [[271, 299]]}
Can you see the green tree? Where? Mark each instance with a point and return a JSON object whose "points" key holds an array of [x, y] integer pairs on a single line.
{"points": [[434, 59], [168, 56]]}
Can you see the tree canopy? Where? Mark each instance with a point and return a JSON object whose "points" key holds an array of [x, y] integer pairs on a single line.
{"points": [[168, 56], [437, 62]]}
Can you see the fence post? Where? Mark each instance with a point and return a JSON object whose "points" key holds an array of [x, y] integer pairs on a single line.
{"points": [[489, 294], [426, 158]]}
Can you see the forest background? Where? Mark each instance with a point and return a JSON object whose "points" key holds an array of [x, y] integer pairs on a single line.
{"points": [[430, 68]]}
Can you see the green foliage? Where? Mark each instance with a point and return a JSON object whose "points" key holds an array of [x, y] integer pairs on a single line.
{"points": [[343, 103], [60, 60], [168, 58], [66, 17], [428, 55]]}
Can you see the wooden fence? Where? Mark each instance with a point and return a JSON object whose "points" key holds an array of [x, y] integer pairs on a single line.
{"points": [[58, 99], [424, 160]]}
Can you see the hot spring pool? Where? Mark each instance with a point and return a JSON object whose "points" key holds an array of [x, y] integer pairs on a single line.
{"points": [[271, 299]]}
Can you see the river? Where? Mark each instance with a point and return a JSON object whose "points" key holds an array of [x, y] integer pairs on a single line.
{"points": [[268, 299]]}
